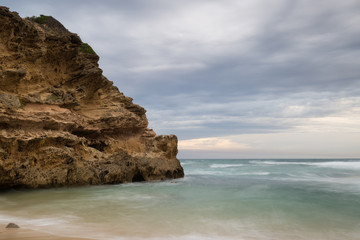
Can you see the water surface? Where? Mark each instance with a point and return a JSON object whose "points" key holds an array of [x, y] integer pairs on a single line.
{"points": [[218, 199]]}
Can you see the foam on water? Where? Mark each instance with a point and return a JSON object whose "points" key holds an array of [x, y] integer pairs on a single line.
{"points": [[226, 165], [255, 173], [218, 199], [330, 164], [338, 164]]}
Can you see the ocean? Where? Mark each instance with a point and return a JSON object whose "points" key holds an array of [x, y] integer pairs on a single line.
{"points": [[272, 199]]}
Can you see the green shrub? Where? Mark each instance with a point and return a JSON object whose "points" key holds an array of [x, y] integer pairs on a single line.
{"points": [[22, 104], [85, 48], [54, 97], [41, 20]]}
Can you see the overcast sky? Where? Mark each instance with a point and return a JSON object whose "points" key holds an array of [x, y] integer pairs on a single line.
{"points": [[231, 78]]}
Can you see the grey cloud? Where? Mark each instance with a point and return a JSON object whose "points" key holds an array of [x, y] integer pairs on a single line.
{"points": [[240, 77], [191, 118]]}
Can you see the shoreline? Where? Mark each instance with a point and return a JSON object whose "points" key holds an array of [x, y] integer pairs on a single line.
{"points": [[29, 234], [218, 199]]}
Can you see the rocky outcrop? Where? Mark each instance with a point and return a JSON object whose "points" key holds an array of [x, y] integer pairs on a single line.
{"points": [[12, 225], [62, 122]]}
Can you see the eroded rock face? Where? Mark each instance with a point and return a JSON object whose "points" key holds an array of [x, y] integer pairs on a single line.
{"points": [[62, 122]]}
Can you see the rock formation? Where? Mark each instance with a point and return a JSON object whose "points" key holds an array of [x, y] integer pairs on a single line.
{"points": [[12, 225], [62, 122]]}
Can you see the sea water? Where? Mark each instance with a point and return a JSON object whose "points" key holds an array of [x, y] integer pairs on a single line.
{"points": [[217, 199]]}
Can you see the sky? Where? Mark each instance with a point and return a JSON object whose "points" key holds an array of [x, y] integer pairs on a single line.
{"points": [[230, 78]]}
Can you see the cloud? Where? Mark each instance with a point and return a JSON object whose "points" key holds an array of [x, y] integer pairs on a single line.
{"points": [[167, 67], [314, 112], [294, 144], [248, 47], [216, 69], [212, 144]]}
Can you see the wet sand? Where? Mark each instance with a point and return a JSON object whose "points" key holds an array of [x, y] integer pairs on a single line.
{"points": [[27, 234]]}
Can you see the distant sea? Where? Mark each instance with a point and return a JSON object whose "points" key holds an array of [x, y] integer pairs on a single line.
{"points": [[287, 199]]}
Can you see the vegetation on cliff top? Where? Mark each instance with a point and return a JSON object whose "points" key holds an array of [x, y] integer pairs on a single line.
{"points": [[42, 19], [85, 48]]}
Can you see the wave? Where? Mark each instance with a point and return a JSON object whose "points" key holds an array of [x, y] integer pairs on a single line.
{"points": [[218, 165], [255, 173], [37, 222], [330, 164], [228, 173], [191, 237], [187, 163], [343, 165]]}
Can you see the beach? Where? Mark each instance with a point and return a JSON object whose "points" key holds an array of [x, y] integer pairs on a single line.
{"points": [[28, 234], [246, 199]]}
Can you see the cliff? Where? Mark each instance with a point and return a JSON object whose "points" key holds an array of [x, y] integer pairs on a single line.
{"points": [[62, 122]]}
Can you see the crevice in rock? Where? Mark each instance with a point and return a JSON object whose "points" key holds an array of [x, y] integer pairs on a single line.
{"points": [[98, 145], [168, 174], [138, 177], [86, 134]]}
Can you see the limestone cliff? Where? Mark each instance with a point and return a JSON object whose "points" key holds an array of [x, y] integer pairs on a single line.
{"points": [[62, 122]]}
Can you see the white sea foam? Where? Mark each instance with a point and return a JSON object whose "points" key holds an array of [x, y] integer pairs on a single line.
{"points": [[187, 163], [229, 173], [255, 173], [225, 165], [200, 237], [330, 164], [279, 163], [342, 165], [45, 222], [183, 237], [35, 223], [258, 162], [206, 172], [6, 218]]}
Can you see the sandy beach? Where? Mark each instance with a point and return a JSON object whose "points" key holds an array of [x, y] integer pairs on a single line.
{"points": [[27, 234]]}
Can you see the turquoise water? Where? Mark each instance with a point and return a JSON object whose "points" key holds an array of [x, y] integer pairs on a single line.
{"points": [[218, 199]]}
